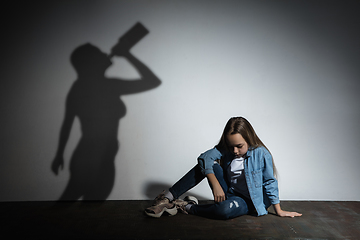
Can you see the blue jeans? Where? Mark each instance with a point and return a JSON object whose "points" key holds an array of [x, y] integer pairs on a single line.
{"points": [[235, 204]]}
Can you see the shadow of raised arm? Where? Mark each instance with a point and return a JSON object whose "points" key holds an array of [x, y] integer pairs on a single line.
{"points": [[147, 80]]}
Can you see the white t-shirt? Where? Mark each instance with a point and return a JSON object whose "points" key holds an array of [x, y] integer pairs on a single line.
{"points": [[236, 176]]}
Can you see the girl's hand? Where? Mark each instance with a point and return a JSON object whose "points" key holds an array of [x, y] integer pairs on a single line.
{"points": [[288, 214], [282, 213], [216, 188], [218, 193]]}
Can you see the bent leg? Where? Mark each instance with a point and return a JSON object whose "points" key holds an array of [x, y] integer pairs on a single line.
{"points": [[193, 178], [233, 207], [187, 182]]}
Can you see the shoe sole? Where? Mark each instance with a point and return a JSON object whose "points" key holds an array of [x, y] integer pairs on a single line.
{"points": [[171, 211]]}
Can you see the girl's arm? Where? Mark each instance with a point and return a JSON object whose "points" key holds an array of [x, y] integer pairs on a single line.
{"points": [[282, 213], [216, 188], [206, 161], [271, 188]]}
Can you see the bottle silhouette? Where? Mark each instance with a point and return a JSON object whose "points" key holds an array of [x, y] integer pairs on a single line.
{"points": [[130, 38]]}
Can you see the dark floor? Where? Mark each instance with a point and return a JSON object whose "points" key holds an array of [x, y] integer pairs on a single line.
{"points": [[126, 220]]}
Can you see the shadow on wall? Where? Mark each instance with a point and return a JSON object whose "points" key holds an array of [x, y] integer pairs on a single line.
{"points": [[95, 100]]}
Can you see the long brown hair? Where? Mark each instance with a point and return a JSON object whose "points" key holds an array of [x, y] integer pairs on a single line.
{"points": [[243, 127]]}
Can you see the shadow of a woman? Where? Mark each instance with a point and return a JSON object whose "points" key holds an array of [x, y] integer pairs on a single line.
{"points": [[95, 100]]}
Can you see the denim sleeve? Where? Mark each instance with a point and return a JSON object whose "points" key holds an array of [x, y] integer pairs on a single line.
{"points": [[206, 160], [269, 181]]}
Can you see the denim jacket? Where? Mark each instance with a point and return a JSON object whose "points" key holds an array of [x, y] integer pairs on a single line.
{"points": [[259, 175]]}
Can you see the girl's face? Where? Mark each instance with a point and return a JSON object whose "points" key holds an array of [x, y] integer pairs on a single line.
{"points": [[237, 144]]}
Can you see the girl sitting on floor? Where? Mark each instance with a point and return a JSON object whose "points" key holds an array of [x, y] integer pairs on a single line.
{"points": [[240, 172]]}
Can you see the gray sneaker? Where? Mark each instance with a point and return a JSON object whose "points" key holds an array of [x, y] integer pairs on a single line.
{"points": [[160, 205], [181, 204]]}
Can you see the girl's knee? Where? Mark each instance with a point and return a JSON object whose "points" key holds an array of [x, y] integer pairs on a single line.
{"points": [[229, 209], [223, 211], [218, 170]]}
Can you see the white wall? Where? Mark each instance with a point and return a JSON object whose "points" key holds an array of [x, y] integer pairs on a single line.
{"points": [[291, 68]]}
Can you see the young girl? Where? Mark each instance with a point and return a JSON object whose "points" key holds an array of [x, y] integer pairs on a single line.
{"points": [[240, 172]]}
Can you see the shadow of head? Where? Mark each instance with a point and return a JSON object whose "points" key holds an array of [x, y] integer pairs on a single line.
{"points": [[88, 58]]}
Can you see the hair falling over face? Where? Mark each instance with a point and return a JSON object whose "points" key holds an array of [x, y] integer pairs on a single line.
{"points": [[243, 127]]}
